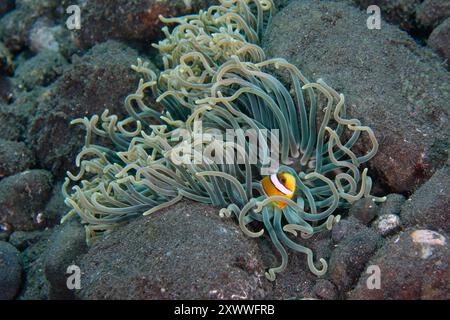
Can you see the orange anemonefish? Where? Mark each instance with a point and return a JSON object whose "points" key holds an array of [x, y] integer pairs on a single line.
{"points": [[281, 184]]}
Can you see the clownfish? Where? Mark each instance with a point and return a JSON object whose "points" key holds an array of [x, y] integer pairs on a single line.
{"points": [[281, 184]]}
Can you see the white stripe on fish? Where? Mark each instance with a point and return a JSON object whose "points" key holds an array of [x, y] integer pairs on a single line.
{"points": [[279, 185]]}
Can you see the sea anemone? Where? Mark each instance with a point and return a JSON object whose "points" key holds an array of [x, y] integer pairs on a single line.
{"points": [[216, 80]]}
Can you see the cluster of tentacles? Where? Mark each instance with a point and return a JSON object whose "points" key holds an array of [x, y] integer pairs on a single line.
{"points": [[216, 74]]}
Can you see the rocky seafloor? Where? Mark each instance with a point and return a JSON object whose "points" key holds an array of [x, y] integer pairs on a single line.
{"points": [[395, 80]]}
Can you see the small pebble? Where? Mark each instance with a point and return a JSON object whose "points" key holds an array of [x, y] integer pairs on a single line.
{"points": [[387, 224], [365, 210]]}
